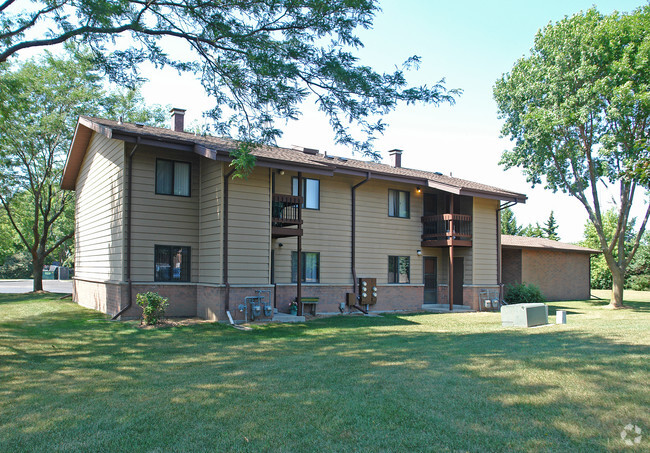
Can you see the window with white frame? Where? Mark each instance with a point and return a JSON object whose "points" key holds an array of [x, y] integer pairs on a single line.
{"points": [[310, 192]]}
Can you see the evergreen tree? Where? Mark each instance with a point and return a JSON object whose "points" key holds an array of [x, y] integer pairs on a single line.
{"points": [[509, 223], [550, 228]]}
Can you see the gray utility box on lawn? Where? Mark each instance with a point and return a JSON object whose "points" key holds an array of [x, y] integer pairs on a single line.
{"points": [[524, 315]]}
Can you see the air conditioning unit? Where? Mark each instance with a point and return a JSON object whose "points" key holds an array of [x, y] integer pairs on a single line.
{"points": [[524, 315]]}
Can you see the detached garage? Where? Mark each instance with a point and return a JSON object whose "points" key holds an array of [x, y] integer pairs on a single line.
{"points": [[560, 270]]}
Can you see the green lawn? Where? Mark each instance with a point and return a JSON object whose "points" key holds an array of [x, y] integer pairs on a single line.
{"points": [[71, 380]]}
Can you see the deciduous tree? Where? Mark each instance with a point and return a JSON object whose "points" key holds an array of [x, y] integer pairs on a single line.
{"points": [[39, 104], [258, 59], [578, 110]]}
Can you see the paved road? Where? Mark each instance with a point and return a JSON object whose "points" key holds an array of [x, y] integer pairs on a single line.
{"points": [[25, 286]]}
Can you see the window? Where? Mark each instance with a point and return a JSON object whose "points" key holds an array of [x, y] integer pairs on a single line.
{"points": [[398, 203], [171, 263], [310, 267], [310, 191], [399, 269], [173, 178]]}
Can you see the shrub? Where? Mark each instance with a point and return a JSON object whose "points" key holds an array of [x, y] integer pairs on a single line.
{"points": [[153, 307], [18, 265], [523, 294], [638, 282]]}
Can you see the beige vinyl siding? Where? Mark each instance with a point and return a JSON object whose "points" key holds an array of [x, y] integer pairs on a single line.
{"points": [[99, 210], [210, 259], [327, 230], [249, 228], [162, 219], [379, 235], [485, 241]]}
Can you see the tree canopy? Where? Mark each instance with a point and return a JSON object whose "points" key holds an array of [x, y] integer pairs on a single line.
{"points": [[578, 110], [39, 105], [258, 59]]}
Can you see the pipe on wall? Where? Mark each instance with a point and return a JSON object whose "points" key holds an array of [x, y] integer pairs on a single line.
{"points": [[499, 256], [225, 240], [129, 200], [353, 265]]}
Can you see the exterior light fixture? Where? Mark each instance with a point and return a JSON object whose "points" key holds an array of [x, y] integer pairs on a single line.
{"points": [[419, 252], [282, 172], [418, 190]]}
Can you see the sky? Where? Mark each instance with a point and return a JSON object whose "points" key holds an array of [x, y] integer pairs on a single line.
{"points": [[471, 44]]}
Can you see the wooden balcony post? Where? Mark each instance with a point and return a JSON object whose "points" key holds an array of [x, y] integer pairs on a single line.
{"points": [[451, 278]]}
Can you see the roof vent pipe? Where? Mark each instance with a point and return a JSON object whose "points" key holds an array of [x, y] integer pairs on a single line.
{"points": [[178, 119], [395, 157]]}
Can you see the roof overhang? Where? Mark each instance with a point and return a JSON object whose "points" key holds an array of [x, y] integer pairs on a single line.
{"points": [[86, 127]]}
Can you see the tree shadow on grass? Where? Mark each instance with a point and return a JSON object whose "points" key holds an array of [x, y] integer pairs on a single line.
{"points": [[341, 383]]}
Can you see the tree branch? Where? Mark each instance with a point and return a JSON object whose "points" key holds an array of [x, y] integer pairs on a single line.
{"points": [[13, 223], [58, 243]]}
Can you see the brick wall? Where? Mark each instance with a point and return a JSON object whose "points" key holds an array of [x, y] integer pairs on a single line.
{"points": [[560, 275], [105, 296], [389, 297], [511, 266]]}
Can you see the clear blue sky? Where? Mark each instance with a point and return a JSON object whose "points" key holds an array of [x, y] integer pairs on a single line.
{"points": [[471, 44]]}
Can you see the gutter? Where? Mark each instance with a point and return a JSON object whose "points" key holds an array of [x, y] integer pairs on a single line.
{"points": [[353, 265], [129, 200]]}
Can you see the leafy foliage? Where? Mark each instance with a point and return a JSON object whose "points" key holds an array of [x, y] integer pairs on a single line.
{"points": [[39, 104], [153, 307], [259, 60], [18, 265], [601, 276], [523, 294], [578, 110]]}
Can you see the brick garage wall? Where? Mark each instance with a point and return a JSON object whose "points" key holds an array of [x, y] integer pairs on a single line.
{"points": [[560, 275], [511, 266], [389, 297], [106, 297]]}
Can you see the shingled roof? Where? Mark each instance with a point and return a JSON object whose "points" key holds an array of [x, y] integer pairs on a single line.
{"points": [[218, 148], [523, 242]]}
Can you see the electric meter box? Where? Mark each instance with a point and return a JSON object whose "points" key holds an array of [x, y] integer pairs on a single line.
{"points": [[524, 315], [367, 291]]}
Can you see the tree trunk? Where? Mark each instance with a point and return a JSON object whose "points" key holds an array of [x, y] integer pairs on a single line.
{"points": [[37, 268], [618, 281]]}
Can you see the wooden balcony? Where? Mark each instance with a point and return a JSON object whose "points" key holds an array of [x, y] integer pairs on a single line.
{"points": [[447, 230], [285, 221]]}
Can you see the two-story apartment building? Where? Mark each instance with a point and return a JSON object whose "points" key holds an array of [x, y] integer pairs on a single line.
{"points": [[157, 209]]}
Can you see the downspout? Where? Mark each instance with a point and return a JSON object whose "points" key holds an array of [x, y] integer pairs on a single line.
{"points": [[129, 198], [299, 255], [353, 245], [225, 243], [499, 257]]}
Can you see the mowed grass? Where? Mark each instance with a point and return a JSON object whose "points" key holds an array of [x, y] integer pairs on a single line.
{"points": [[72, 380]]}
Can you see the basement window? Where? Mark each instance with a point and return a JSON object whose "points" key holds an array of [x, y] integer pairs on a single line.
{"points": [[173, 177], [399, 269], [398, 203], [310, 267], [171, 263]]}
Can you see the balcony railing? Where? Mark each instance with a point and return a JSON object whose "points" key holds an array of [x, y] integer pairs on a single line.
{"points": [[284, 215], [447, 229]]}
